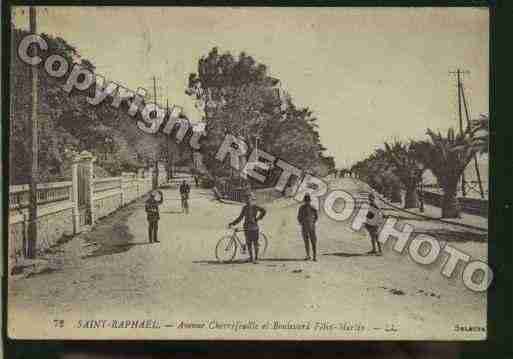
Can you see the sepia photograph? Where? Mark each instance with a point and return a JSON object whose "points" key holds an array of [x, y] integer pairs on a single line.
{"points": [[248, 173]]}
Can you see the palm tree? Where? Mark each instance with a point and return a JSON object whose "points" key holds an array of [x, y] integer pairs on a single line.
{"points": [[407, 168], [378, 172], [392, 185], [447, 157], [384, 173], [480, 129]]}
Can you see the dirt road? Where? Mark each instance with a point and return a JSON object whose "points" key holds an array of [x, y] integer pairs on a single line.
{"points": [[112, 273]]}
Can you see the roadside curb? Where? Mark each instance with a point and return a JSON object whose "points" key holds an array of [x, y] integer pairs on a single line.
{"points": [[446, 221]]}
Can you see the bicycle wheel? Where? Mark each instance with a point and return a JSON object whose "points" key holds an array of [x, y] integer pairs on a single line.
{"points": [[226, 249], [262, 244]]}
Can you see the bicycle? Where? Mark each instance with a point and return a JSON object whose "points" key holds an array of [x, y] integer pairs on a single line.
{"points": [[226, 248]]}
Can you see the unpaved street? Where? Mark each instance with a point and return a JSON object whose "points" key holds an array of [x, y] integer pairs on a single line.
{"points": [[112, 273]]}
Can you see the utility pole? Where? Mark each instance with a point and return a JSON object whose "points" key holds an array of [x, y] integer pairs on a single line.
{"points": [[11, 110], [156, 170], [33, 153], [169, 147], [478, 173], [460, 114], [155, 90]]}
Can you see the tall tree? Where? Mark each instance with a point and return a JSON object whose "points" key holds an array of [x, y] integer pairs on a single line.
{"points": [[407, 168], [239, 98], [447, 156], [378, 172], [67, 122], [480, 130]]}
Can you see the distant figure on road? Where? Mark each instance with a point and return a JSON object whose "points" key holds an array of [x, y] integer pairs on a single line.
{"points": [[196, 181], [152, 213], [372, 228], [307, 217], [252, 214], [184, 194]]}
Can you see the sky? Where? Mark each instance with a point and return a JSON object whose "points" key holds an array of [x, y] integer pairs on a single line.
{"points": [[369, 74]]}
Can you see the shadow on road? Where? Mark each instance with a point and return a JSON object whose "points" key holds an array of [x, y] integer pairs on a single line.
{"points": [[43, 272], [282, 260], [111, 234], [213, 262], [244, 261], [343, 254]]}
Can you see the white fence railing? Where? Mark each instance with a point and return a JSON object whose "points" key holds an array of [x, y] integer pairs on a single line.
{"points": [[19, 196], [105, 184], [68, 208]]}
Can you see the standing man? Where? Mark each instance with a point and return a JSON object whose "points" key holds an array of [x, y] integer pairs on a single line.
{"points": [[184, 194], [153, 216], [307, 217], [372, 227], [252, 214]]}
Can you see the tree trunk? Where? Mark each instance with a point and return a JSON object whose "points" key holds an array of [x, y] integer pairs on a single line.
{"points": [[411, 199], [388, 192], [450, 203], [395, 193]]}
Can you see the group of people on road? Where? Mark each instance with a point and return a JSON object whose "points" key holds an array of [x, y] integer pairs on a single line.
{"points": [[307, 217], [251, 213]]}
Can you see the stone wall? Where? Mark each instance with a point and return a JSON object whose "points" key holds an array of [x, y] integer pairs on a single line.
{"points": [[107, 204], [54, 222], [58, 207], [474, 206]]}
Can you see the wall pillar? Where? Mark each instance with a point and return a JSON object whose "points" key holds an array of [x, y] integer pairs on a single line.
{"points": [[74, 195], [83, 187], [90, 165]]}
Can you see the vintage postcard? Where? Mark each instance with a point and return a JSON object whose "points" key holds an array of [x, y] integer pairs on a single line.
{"points": [[233, 173]]}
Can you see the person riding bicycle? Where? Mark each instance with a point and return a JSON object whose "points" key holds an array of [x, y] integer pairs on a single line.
{"points": [[184, 194], [252, 214]]}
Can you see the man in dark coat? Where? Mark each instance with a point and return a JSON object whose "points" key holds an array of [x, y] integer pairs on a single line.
{"points": [[184, 194], [307, 217], [153, 216], [252, 214]]}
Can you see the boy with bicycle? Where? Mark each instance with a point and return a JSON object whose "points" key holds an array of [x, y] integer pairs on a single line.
{"points": [[252, 214]]}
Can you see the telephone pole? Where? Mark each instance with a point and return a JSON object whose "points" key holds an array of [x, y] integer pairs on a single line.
{"points": [[478, 173], [156, 170], [170, 153], [460, 116], [33, 160], [11, 111]]}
